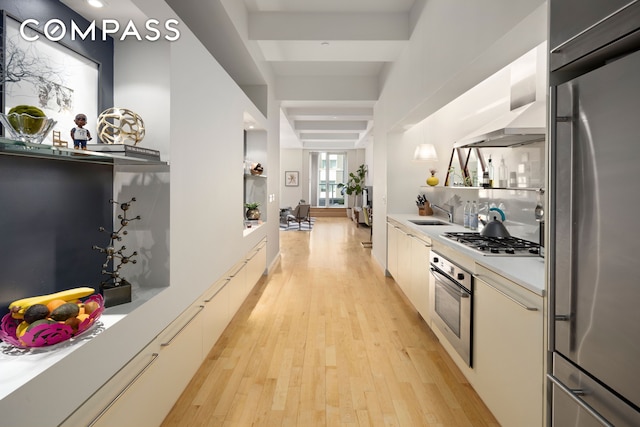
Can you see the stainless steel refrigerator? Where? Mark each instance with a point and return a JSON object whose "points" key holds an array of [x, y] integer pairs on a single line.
{"points": [[594, 60]]}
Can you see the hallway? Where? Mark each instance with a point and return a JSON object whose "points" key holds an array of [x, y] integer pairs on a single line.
{"points": [[327, 339]]}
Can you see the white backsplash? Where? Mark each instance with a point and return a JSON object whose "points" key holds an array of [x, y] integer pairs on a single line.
{"points": [[519, 206]]}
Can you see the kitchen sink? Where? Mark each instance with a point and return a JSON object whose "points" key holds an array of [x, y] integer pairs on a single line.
{"points": [[428, 222]]}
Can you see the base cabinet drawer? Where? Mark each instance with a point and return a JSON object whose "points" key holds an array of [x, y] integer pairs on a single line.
{"points": [[256, 265], [509, 351], [392, 250], [216, 315], [420, 277], [143, 392], [237, 288]]}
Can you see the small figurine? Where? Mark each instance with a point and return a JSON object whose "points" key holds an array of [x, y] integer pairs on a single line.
{"points": [[79, 134]]}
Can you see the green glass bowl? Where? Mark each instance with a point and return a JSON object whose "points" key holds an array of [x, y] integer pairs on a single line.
{"points": [[26, 128]]}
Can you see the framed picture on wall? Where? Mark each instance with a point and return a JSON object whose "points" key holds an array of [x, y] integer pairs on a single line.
{"points": [[291, 178], [49, 75]]}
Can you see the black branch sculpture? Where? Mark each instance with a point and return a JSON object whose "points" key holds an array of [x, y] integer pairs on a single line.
{"points": [[117, 257]]}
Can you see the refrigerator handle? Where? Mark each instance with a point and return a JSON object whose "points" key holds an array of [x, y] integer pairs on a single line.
{"points": [[573, 395], [563, 110]]}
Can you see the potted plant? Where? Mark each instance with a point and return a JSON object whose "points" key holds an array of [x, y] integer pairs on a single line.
{"points": [[354, 186], [252, 210]]}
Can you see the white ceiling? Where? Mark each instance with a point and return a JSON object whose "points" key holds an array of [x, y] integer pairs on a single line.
{"points": [[327, 56]]}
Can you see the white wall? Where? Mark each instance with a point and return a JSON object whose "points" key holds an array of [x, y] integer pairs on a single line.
{"points": [[442, 62], [290, 160], [145, 89], [296, 159], [194, 114], [454, 46]]}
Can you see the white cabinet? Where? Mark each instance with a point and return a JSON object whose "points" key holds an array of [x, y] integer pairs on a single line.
{"points": [[256, 264], [408, 263], [404, 262], [128, 387], [399, 256], [144, 391], [237, 287], [420, 276], [216, 314], [146, 388], [508, 371], [392, 250]]}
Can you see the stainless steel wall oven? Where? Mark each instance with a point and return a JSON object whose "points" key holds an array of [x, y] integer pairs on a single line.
{"points": [[451, 299]]}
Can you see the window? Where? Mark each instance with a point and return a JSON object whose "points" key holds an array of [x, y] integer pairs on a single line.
{"points": [[329, 170]]}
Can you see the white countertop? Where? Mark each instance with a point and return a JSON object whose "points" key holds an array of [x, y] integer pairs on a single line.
{"points": [[19, 366], [528, 272]]}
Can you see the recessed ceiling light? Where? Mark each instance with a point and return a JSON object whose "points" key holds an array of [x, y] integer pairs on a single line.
{"points": [[95, 3], [324, 44]]}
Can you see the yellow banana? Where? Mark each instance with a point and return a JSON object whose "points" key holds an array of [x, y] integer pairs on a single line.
{"points": [[18, 307]]}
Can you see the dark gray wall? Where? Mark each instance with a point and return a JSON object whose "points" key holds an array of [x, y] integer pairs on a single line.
{"points": [[98, 51], [50, 213]]}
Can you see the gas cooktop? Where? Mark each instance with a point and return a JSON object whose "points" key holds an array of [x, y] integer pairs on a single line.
{"points": [[495, 246]]}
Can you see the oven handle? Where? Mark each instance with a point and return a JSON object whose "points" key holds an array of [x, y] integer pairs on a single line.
{"points": [[450, 285]]}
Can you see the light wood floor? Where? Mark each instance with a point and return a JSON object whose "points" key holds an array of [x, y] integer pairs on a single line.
{"points": [[328, 340]]}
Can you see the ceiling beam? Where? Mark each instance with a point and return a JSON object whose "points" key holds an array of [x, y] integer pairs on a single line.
{"points": [[329, 26], [215, 30], [348, 113], [329, 145], [329, 136], [346, 88], [337, 50], [330, 125]]}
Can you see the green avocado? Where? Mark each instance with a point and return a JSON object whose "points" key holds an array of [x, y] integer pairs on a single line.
{"points": [[65, 311], [36, 312]]}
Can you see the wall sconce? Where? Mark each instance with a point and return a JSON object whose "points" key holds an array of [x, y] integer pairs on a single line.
{"points": [[427, 153]]}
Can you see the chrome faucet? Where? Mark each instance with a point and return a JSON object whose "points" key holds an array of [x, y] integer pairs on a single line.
{"points": [[448, 212]]}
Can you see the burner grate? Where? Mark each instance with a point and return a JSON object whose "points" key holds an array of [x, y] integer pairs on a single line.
{"points": [[495, 245]]}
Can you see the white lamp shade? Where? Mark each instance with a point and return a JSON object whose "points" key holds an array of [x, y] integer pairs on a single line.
{"points": [[425, 152]]}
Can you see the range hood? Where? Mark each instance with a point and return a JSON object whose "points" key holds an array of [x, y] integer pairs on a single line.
{"points": [[519, 126], [526, 121]]}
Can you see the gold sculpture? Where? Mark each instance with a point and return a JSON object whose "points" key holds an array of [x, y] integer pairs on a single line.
{"points": [[120, 126]]}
